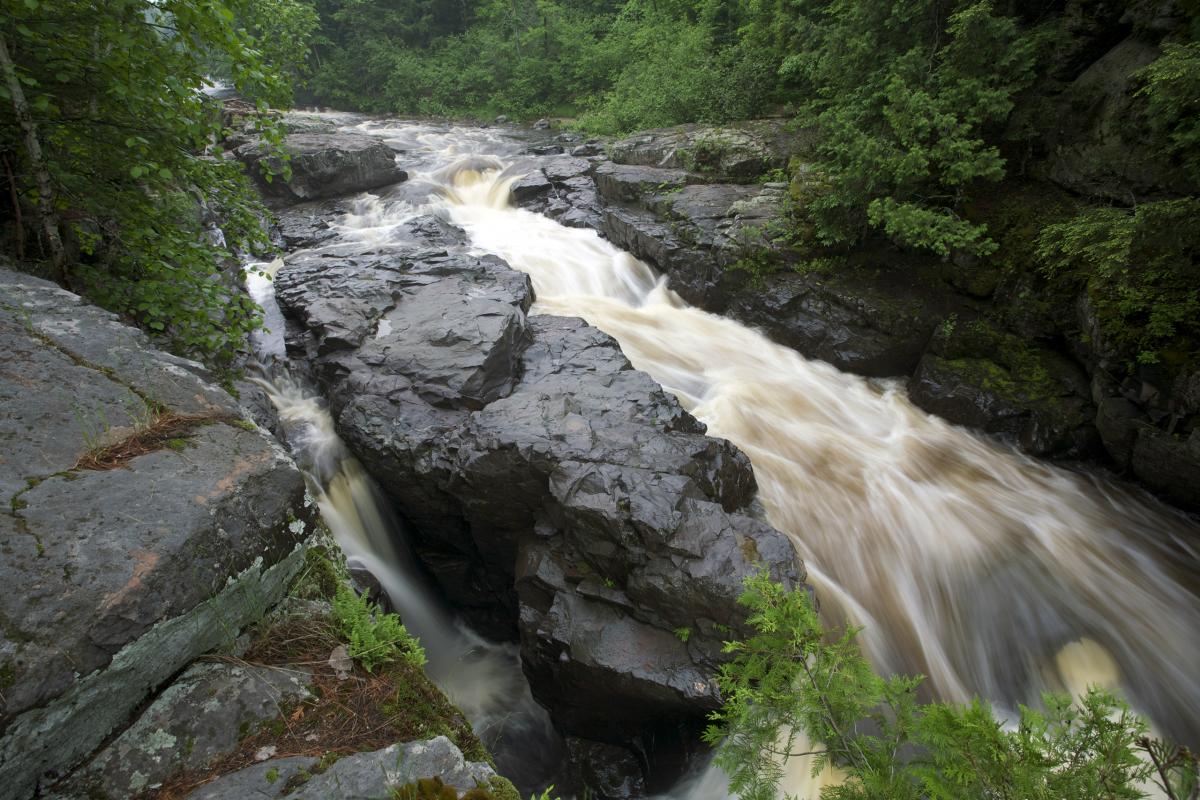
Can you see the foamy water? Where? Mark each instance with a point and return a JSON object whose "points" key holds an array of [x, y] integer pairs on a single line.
{"points": [[991, 573]]}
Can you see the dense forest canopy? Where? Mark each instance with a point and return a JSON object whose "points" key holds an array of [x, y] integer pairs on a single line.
{"points": [[923, 113]]}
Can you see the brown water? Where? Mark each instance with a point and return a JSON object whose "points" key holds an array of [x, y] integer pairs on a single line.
{"points": [[991, 573]]}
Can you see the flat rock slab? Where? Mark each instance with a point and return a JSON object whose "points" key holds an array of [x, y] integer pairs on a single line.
{"points": [[740, 150], [117, 574], [362, 776]]}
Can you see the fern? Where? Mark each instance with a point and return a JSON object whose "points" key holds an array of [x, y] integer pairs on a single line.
{"points": [[374, 637]]}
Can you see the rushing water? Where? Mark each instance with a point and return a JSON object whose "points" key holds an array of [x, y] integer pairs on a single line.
{"points": [[989, 572], [484, 679]]}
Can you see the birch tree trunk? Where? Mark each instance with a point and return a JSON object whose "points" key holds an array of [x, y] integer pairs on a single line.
{"points": [[33, 148]]}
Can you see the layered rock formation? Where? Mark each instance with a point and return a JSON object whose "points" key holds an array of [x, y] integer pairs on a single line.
{"points": [[322, 165], [144, 523]]}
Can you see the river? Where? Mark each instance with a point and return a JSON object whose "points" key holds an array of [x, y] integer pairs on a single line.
{"points": [[991, 573]]}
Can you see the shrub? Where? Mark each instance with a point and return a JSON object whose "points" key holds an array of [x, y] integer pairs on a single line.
{"points": [[791, 680], [1141, 268]]}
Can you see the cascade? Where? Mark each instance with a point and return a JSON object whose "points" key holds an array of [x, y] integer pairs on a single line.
{"points": [[991, 573]]}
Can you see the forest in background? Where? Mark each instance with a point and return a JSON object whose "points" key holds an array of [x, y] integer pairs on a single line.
{"points": [[927, 114], [929, 117]]}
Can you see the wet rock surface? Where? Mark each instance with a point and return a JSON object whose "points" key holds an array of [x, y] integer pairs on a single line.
{"points": [[126, 573], [557, 495], [742, 150], [322, 165]]}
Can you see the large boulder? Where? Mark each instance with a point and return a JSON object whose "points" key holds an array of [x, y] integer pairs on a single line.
{"points": [[198, 718], [715, 244], [557, 494], [322, 165], [977, 375], [144, 522], [1097, 145]]}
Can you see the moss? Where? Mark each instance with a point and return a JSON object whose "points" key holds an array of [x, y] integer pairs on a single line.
{"points": [[296, 781], [325, 762], [419, 705], [749, 549], [503, 789], [178, 445], [433, 788], [8, 675], [320, 577], [244, 424], [272, 775]]}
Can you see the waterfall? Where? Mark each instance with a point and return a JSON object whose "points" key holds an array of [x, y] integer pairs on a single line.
{"points": [[482, 678], [991, 573]]}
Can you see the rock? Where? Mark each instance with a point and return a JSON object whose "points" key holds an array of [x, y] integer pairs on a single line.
{"points": [[544, 149], [302, 122], [1097, 147], [561, 189], [307, 224], [742, 150], [542, 124], [561, 170], [126, 574], [500, 120], [1044, 417], [589, 148], [1169, 464], [256, 405], [1117, 424], [868, 322], [623, 183], [532, 185], [262, 781], [365, 776], [555, 493], [608, 772], [324, 165], [199, 717]]}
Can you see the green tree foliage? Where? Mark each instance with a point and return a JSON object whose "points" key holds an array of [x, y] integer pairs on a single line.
{"points": [[375, 638], [792, 678], [628, 64], [1173, 95], [907, 95], [131, 159], [1141, 269]]}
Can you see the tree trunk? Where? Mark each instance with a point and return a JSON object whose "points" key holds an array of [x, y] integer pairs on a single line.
{"points": [[33, 149]]}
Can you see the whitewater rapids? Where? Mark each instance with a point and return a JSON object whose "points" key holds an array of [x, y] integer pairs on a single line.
{"points": [[991, 573]]}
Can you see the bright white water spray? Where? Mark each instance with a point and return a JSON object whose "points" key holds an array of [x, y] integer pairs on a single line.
{"points": [[988, 572]]}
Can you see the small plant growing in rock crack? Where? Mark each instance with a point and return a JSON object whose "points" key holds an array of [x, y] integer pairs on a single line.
{"points": [[683, 634], [374, 637]]}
